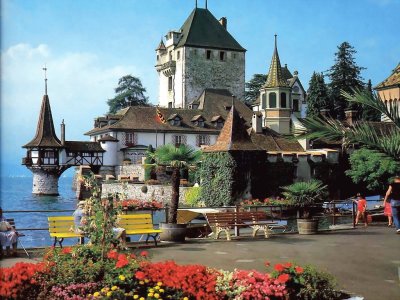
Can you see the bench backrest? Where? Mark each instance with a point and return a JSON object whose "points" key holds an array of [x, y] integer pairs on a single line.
{"points": [[136, 221], [60, 223], [235, 217]]}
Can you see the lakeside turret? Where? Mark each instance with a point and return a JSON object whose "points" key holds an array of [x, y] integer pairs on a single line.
{"points": [[48, 157]]}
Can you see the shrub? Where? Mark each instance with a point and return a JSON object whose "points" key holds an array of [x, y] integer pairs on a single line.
{"points": [[144, 189], [192, 196]]}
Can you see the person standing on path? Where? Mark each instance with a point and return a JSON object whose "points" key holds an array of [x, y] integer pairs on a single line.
{"points": [[361, 209], [394, 193]]}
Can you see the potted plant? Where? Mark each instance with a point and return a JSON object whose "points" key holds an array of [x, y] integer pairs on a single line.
{"points": [[175, 158], [303, 195]]}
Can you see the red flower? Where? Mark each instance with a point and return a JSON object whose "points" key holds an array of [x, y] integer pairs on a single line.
{"points": [[299, 270], [144, 253], [66, 250], [112, 254], [287, 265], [283, 278], [267, 263], [279, 267], [140, 275], [132, 255]]}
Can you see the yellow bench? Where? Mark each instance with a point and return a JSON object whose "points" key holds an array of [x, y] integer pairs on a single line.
{"points": [[60, 228], [139, 224]]}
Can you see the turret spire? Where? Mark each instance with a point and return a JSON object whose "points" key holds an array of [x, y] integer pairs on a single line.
{"points": [[275, 77], [45, 79], [206, 4]]}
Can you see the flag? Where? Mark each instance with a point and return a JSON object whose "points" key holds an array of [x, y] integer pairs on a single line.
{"points": [[160, 116]]}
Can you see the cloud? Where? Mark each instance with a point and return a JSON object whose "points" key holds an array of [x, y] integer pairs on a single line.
{"points": [[79, 85]]}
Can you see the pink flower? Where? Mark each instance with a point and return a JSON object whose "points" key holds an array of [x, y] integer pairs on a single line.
{"points": [[144, 253]]}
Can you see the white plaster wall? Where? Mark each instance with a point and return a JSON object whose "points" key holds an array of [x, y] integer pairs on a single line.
{"points": [[110, 156], [179, 79]]}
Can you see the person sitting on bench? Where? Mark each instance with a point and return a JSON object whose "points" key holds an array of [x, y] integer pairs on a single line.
{"points": [[8, 236]]}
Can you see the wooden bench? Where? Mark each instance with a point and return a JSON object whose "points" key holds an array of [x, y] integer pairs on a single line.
{"points": [[11, 221], [139, 224], [60, 228], [224, 221]]}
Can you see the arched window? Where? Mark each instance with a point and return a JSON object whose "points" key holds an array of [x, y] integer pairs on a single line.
{"points": [[283, 100], [272, 100], [264, 101]]}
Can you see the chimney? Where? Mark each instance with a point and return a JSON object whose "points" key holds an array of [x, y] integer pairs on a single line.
{"points": [[256, 122], [224, 22], [351, 116], [62, 133]]}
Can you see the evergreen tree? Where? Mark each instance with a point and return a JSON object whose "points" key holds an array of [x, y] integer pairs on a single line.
{"points": [[317, 95], [368, 113], [344, 76], [253, 88], [130, 92]]}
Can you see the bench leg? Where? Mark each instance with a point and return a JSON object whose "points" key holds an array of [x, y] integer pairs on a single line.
{"points": [[218, 231], [264, 228], [60, 241], [154, 238]]}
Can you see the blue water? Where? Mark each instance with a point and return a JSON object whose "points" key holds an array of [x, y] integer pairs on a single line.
{"points": [[16, 194]]}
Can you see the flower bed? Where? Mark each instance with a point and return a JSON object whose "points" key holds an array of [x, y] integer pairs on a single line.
{"points": [[80, 273], [135, 204], [267, 201]]}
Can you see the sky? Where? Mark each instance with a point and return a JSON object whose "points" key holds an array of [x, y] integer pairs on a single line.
{"points": [[88, 45]]}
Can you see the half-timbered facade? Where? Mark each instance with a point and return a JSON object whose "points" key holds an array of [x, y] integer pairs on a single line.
{"points": [[48, 157]]}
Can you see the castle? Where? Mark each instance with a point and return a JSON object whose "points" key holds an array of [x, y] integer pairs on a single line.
{"points": [[201, 76]]}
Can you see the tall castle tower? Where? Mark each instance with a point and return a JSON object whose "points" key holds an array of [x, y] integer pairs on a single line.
{"points": [[201, 54], [43, 151]]}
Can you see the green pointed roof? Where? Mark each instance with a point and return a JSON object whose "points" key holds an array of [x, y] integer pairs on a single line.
{"points": [[202, 29], [276, 77]]}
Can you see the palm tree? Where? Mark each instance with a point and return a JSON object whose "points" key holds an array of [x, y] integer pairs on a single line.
{"points": [[177, 158], [385, 139]]}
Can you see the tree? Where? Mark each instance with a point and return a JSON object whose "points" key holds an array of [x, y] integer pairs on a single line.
{"points": [[130, 92], [176, 158], [385, 138], [253, 88], [368, 113], [344, 76], [372, 169], [317, 95]]}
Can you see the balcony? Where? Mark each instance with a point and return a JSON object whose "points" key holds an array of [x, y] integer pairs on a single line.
{"points": [[27, 161], [167, 68]]}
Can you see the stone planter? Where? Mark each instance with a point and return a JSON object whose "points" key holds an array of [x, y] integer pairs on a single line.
{"points": [[307, 226], [173, 232]]}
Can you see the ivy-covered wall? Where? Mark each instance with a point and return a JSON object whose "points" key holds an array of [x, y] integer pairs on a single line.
{"points": [[216, 173]]}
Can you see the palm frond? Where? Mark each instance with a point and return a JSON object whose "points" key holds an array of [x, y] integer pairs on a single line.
{"points": [[178, 157], [391, 109]]}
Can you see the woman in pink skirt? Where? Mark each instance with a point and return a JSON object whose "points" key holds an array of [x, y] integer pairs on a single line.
{"points": [[388, 212]]}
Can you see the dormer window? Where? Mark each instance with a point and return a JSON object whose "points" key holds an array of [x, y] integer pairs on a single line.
{"points": [[218, 122], [198, 121], [175, 120]]}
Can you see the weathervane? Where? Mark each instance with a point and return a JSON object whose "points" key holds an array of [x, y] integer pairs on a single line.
{"points": [[45, 79]]}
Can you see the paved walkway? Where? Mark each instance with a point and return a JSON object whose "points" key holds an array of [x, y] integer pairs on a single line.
{"points": [[364, 261]]}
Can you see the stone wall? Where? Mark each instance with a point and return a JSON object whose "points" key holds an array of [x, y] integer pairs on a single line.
{"points": [[130, 170], [134, 191], [44, 183]]}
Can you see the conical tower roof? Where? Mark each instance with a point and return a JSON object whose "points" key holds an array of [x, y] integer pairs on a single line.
{"points": [[275, 75], [45, 133], [233, 136], [161, 46]]}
